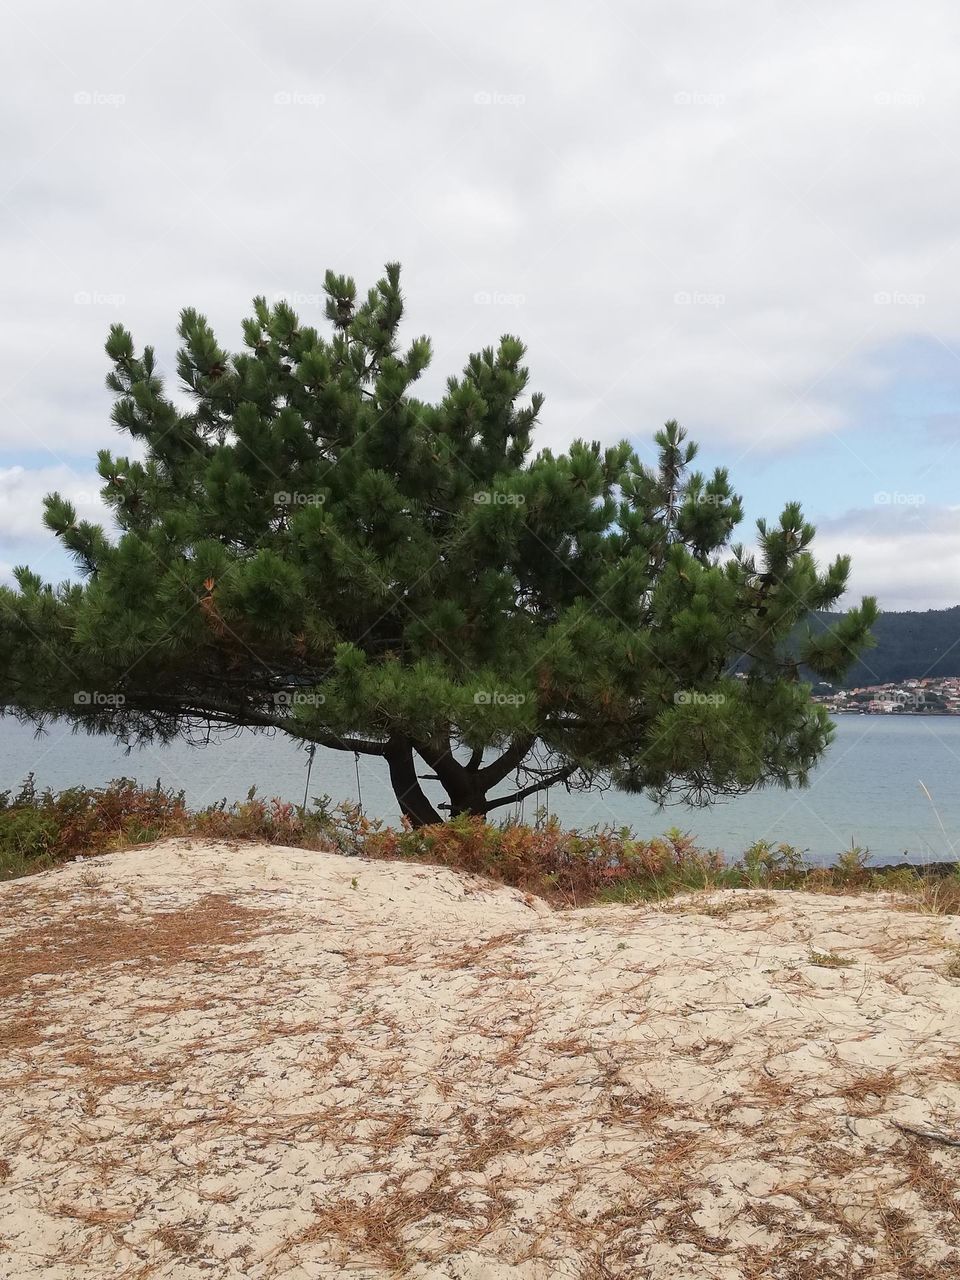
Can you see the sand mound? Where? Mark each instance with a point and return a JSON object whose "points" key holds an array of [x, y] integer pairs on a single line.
{"points": [[264, 1062]]}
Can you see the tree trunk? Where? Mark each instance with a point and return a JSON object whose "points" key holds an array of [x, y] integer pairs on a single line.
{"points": [[406, 786], [467, 786], [464, 786]]}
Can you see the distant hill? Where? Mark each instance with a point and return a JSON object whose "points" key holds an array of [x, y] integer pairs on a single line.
{"points": [[908, 645]]}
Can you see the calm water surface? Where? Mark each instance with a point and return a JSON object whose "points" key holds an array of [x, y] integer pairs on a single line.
{"points": [[866, 790]]}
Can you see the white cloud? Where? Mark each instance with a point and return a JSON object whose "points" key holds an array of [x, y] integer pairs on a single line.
{"points": [[796, 161], [21, 499], [789, 173], [904, 552]]}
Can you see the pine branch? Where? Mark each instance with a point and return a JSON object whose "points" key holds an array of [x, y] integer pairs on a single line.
{"points": [[560, 776]]}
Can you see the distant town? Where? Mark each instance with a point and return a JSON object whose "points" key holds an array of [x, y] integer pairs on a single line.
{"points": [[933, 696]]}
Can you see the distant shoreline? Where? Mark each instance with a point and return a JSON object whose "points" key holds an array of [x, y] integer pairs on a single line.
{"points": [[916, 695], [929, 870], [881, 715]]}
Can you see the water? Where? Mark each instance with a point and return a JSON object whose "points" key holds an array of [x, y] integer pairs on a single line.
{"points": [[866, 790]]}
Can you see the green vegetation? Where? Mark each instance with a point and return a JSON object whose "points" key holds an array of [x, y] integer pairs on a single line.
{"points": [[603, 864], [39, 829], [310, 548], [830, 960]]}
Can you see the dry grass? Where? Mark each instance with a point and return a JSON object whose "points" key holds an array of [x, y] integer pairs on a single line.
{"points": [[732, 903], [871, 1087], [470, 955], [67, 945], [630, 1107], [38, 962], [936, 1185], [185, 1239], [772, 1090], [378, 1226], [938, 896]]}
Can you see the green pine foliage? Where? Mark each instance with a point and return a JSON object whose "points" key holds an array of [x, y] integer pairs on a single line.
{"points": [[310, 547]]}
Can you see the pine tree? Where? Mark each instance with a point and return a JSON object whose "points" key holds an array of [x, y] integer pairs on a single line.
{"points": [[311, 548]]}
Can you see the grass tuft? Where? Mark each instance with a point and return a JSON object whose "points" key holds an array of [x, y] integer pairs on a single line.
{"points": [[829, 960]]}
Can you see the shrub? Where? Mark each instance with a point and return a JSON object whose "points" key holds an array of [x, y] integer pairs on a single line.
{"points": [[765, 865], [850, 869], [40, 829], [568, 867]]}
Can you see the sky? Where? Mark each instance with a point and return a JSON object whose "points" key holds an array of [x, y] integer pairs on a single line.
{"points": [[740, 215]]}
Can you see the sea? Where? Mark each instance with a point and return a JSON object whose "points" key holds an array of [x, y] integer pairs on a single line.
{"points": [[890, 784]]}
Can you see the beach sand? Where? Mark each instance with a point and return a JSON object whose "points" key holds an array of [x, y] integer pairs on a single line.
{"points": [[222, 1061]]}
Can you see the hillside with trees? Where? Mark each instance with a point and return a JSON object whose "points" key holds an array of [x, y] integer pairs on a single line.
{"points": [[908, 645]]}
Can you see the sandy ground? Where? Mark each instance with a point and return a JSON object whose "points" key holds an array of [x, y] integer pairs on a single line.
{"points": [[262, 1062]]}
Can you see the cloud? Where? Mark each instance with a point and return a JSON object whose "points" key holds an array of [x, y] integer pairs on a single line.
{"points": [[903, 551], [732, 215], [21, 500], [596, 164]]}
